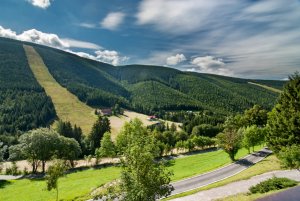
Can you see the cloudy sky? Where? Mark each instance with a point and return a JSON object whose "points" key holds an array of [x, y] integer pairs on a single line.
{"points": [[241, 38]]}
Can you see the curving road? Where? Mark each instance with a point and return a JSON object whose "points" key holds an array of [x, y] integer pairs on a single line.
{"points": [[219, 174]]}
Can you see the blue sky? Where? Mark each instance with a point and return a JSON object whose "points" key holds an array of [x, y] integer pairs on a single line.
{"points": [[241, 38]]}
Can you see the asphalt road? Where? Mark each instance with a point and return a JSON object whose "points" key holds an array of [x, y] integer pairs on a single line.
{"points": [[292, 194], [219, 174]]}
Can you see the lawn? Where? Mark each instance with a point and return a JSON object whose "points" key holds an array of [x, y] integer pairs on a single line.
{"points": [[77, 186], [67, 106], [73, 186]]}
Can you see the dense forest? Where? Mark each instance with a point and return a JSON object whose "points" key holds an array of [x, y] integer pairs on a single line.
{"points": [[23, 103], [148, 89]]}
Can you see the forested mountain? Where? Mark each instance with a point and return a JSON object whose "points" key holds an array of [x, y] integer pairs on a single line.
{"points": [[142, 88], [23, 103]]}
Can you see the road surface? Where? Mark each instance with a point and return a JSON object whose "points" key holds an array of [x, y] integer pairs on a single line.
{"points": [[242, 186], [292, 194], [219, 174]]}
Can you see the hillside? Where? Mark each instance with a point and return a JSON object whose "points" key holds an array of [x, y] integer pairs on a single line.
{"points": [[67, 106], [23, 102], [146, 89]]}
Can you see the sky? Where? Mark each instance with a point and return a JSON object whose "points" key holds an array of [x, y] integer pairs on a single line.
{"points": [[240, 38]]}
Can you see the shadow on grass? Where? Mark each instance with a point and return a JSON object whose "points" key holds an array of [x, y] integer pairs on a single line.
{"points": [[4, 183]]}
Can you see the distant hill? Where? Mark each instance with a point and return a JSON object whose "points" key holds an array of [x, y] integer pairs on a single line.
{"points": [[141, 88]]}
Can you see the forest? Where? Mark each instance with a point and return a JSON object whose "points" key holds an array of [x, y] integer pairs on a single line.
{"points": [[23, 103]]}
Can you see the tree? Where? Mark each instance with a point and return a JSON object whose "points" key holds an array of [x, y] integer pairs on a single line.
{"points": [[41, 145], [290, 156], [284, 120], [101, 126], [55, 171], [36, 146], [230, 141], [255, 116], [253, 136], [206, 130], [69, 149], [142, 177], [107, 148], [2, 151]]}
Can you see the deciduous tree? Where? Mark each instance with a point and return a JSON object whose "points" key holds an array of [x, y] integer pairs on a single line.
{"points": [[142, 178]]}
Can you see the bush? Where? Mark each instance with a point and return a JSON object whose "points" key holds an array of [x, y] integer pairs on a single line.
{"points": [[272, 184], [13, 170]]}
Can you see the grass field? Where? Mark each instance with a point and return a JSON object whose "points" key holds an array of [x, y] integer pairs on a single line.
{"points": [[78, 185], [67, 105], [271, 163]]}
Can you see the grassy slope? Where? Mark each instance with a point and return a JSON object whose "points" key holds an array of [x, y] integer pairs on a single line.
{"points": [[67, 106], [266, 87], [79, 184]]}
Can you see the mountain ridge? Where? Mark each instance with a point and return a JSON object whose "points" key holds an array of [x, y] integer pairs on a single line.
{"points": [[145, 88]]}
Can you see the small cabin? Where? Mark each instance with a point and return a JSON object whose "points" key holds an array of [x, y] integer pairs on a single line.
{"points": [[152, 118], [106, 112]]}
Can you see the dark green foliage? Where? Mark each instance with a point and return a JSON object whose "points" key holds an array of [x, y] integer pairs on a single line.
{"points": [[272, 184], [150, 89], [206, 130], [284, 120], [101, 126], [255, 116], [290, 156], [23, 103], [66, 129]]}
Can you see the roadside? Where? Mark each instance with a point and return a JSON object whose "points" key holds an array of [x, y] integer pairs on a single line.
{"points": [[239, 186], [219, 174]]}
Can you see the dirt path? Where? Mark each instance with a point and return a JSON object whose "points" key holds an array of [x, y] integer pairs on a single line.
{"points": [[239, 186]]}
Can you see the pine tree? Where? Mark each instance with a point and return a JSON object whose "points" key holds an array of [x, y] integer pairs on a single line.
{"points": [[284, 120], [101, 126]]}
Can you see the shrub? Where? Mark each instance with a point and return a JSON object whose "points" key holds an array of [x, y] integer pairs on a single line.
{"points": [[13, 170], [272, 184]]}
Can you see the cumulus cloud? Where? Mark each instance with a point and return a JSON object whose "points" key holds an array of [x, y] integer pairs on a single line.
{"points": [[113, 20], [52, 40], [7, 33], [210, 64], [40, 3], [39, 37], [112, 57], [106, 56], [174, 60], [81, 44]]}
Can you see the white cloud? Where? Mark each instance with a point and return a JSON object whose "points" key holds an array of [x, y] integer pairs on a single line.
{"points": [[112, 20], [52, 40], [87, 25], [178, 16], [81, 44], [108, 56], [174, 60], [7, 33], [39, 37], [210, 64], [40, 3]]}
